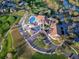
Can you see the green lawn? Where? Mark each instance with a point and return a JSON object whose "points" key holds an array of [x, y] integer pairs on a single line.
{"points": [[43, 56], [6, 46], [9, 43], [39, 41], [19, 13], [3, 52]]}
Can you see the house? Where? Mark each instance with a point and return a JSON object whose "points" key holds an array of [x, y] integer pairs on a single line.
{"points": [[40, 19], [73, 28], [36, 19], [35, 22], [74, 56], [1, 10], [53, 30], [21, 3], [76, 27], [62, 29]]}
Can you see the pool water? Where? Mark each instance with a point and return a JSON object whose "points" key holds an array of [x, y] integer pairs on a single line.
{"points": [[32, 19]]}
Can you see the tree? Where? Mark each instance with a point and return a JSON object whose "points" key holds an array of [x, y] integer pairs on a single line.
{"points": [[7, 49], [3, 19], [3, 52], [5, 27], [11, 19]]}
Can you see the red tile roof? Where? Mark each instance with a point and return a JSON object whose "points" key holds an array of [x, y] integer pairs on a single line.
{"points": [[53, 31], [40, 17]]}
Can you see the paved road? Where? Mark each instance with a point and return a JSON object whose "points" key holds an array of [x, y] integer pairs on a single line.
{"points": [[22, 21], [32, 38]]}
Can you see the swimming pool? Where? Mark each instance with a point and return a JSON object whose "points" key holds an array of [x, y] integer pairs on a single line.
{"points": [[32, 19]]}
